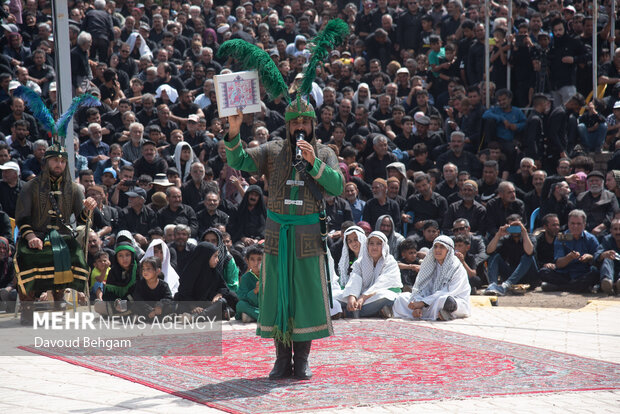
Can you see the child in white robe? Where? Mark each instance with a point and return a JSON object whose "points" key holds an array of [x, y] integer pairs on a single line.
{"points": [[441, 289], [374, 282]]}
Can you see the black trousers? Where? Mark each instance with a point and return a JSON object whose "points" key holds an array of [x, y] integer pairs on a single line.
{"points": [[583, 283]]}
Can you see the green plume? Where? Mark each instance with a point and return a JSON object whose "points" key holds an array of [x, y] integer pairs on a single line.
{"points": [[330, 37], [253, 57]]}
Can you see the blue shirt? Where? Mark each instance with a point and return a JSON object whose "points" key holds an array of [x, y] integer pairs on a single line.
{"points": [[89, 150], [356, 209], [586, 244], [515, 116]]}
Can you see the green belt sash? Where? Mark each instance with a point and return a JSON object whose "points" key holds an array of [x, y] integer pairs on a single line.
{"points": [[62, 258], [286, 221]]}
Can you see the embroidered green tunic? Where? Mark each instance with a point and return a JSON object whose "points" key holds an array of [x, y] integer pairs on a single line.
{"points": [[293, 297]]}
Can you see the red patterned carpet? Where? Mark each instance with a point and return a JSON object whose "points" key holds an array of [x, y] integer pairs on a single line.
{"points": [[367, 362]]}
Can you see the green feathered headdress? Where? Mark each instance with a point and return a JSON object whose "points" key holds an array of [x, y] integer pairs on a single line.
{"points": [[252, 57], [57, 129], [332, 36]]}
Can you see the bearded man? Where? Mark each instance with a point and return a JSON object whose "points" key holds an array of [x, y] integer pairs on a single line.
{"points": [[48, 255], [293, 294]]}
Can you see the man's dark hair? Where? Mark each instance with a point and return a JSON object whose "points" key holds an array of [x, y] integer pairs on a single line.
{"points": [[405, 245], [503, 92], [357, 139], [461, 238], [547, 218], [407, 118], [83, 173], [539, 97], [347, 152], [22, 123], [156, 231], [513, 217], [109, 74], [468, 24], [127, 168], [422, 177], [419, 149], [434, 39], [91, 111], [340, 125], [254, 249], [430, 223]]}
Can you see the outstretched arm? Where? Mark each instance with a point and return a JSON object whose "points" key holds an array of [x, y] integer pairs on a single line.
{"points": [[236, 157]]}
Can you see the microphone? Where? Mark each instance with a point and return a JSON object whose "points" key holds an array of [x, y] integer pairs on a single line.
{"points": [[299, 136]]}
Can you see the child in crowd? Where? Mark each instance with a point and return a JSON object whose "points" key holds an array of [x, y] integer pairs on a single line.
{"points": [[99, 274], [462, 245], [247, 307], [420, 161], [408, 263], [152, 296]]}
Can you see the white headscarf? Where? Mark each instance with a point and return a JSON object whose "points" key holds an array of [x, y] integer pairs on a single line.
{"points": [[171, 277], [426, 282], [145, 50], [172, 93], [343, 264], [384, 275], [177, 159], [366, 102]]}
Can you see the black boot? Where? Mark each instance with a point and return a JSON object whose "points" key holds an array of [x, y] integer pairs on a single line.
{"points": [[283, 367], [300, 360]]}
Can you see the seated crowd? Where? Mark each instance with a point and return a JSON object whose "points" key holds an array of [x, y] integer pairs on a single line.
{"points": [[443, 196]]}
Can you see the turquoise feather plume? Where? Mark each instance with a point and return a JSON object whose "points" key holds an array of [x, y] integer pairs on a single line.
{"points": [[82, 100], [37, 107], [334, 33], [254, 58]]}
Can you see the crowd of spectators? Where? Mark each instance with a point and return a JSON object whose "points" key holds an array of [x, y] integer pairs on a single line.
{"points": [[401, 102]]}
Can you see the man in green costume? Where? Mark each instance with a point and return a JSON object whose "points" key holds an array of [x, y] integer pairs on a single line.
{"points": [[293, 295], [48, 255]]}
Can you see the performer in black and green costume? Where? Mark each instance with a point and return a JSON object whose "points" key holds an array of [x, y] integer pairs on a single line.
{"points": [[293, 286], [48, 255], [293, 296]]}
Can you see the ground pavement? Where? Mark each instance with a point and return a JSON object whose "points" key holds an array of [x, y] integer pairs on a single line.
{"points": [[584, 325]]}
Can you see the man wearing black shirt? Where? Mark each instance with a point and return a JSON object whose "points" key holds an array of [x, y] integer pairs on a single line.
{"points": [[380, 204], [499, 208], [164, 75], [426, 205], [210, 215], [177, 213], [545, 241], [512, 257], [467, 208], [377, 162], [464, 160], [149, 163], [136, 217], [487, 187], [184, 108], [195, 190], [448, 186]]}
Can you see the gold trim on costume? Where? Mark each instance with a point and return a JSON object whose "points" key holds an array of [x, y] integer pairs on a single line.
{"points": [[233, 148], [321, 169]]}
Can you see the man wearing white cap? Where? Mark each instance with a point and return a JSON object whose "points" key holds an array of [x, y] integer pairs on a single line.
{"points": [[10, 187]]}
